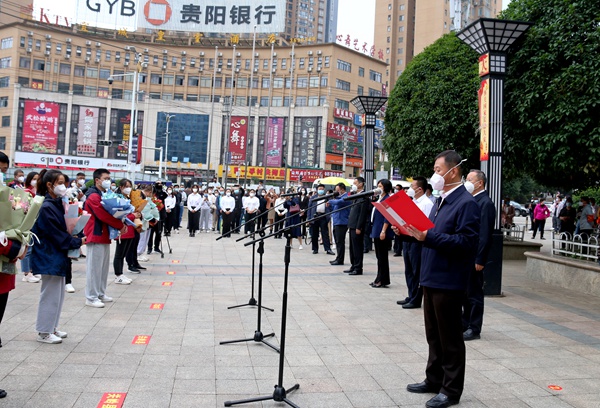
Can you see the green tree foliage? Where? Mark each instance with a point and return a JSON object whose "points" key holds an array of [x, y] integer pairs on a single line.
{"points": [[433, 107], [522, 189], [552, 116]]}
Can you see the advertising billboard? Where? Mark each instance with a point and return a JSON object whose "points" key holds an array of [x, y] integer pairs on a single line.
{"points": [[238, 139], [87, 132], [274, 141], [40, 127]]}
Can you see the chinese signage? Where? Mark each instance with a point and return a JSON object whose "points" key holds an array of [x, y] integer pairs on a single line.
{"points": [[337, 159], [334, 145], [87, 132], [238, 135], [217, 16], [337, 130], [484, 120], [157, 306], [274, 141], [123, 129], [112, 400], [255, 172], [141, 339], [311, 175], [343, 114], [23, 159], [484, 65], [308, 138], [355, 44], [40, 127]]}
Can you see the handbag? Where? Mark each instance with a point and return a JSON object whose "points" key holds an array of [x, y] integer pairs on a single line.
{"points": [[294, 209]]}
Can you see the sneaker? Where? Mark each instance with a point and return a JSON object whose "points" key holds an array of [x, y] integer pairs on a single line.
{"points": [[105, 299], [49, 338], [142, 258], [61, 334], [39, 276], [122, 280], [95, 303], [69, 288], [31, 278]]}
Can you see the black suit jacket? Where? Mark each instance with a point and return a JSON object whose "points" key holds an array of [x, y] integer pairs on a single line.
{"points": [[486, 228], [359, 214]]}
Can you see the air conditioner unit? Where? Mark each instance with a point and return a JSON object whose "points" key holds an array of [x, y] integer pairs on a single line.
{"points": [[68, 56], [97, 60], [256, 55], [319, 52], [87, 59], [274, 55], [262, 142], [164, 67], [47, 53], [318, 69], [202, 53], [165, 51], [98, 44], [255, 69], [220, 54], [28, 50], [182, 68], [200, 69], [30, 33], [310, 53], [88, 43], [238, 54], [48, 46], [146, 50], [183, 53], [218, 69], [68, 40], [237, 70], [309, 69], [126, 63]]}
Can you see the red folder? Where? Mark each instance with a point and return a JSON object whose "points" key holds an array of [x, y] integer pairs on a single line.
{"points": [[400, 210]]}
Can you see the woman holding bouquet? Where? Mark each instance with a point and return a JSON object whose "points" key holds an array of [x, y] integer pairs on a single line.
{"points": [[49, 256]]}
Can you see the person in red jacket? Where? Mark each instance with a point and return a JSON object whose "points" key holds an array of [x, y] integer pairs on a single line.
{"points": [[125, 240], [98, 240]]}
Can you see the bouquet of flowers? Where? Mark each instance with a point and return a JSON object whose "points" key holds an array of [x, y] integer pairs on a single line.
{"points": [[18, 213], [119, 207], [149, 213], [75, 218], [158, 203]]}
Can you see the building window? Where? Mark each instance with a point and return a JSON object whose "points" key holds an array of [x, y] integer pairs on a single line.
{"points": [[343, 85], [313, 82], [359, 90], [168, 79], [264, 101], [401, 29], [278, 83], [205, 82], [265, 64], [104, 73], [402, 7], [193, 81], [63, 87], [5, 62], [324, 81], [2, 143], [326, 62], [400, 61], [400, 40], [374, 76], [39, 65], [302, 82], [92, 72], [401, 18], [3, 101], [79, 71], [5, 121], [24, 62], [4, 82], [340, 104], [344, 66], [277, 101], [361, 72], [179, 80], [301, 63], [301, 101], [265, 84], [374, 92], [7, 43], [65, 69], [313, 101]]}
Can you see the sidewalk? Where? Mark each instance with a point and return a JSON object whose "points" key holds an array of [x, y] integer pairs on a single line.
{"points": [[347, 345]]}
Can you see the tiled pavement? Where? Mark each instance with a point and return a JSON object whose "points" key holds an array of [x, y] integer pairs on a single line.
{"points": [[348, 345]]}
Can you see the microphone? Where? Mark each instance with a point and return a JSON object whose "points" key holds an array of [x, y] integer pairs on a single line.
{"points": [[365, 194], [290, 194], [326, 196]]}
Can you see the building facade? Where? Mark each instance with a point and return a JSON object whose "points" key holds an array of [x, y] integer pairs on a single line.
{"points": [[230, 105], [312, 19]]}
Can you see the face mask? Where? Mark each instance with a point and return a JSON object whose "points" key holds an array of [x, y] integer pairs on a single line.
{"points": [[21, 179], [169, 192], [568, 205], [354, 188], [581, 203], [60, 190], [205, 195], [194, 190], [126, 190], [33, 183], [228, 194], [411, 192], [320, 192], [263, 194], [470, 187], [81, 182], [73, 184], [236, 191], [113, 188], [106, 184], [438, 182], [251, 194]]}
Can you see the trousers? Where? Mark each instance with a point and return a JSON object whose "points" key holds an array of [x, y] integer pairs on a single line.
{"points": [[339, 235], [123, 246], [473, 302], [52, 297], [356, 250], [97, 261], [412, 271], [320, 224]]}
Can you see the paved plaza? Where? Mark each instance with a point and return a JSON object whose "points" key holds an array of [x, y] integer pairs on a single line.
{"points": [[347, 345]]}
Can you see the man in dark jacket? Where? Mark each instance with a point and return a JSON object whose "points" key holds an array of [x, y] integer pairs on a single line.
{"points": [[357, 222], [340, 212], [238, 195], [473, 303], [98, 240], [317, 214], [447, 257], [156, 229]]}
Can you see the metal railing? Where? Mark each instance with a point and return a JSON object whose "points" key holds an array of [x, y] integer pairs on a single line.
{"points": [[575, 246], [514, 233]]}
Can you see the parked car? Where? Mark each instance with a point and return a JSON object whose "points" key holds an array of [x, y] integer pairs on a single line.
{"points": [[520, 209]]}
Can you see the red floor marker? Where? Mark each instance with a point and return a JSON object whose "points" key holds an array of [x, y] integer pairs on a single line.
{"points": [[167, 283], [555, 387], [112, 400], [141, 339], [170, 272], [175, 261], [157, 306]]}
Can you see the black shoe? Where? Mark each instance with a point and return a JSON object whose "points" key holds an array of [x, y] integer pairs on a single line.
{"points": [[140, 267], [330, 252], [402, 302], [422, 388], [2, 393], [441, 401], [349, 270], [82, 256], [400, 254], [336, 263], [149, 252], [366, 251], [410, 306], [354, 273], [471, 335], [134, 270], [315, 252]]}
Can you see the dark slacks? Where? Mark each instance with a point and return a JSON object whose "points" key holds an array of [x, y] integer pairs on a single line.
{"points": [[412, 271], [155, 233], [339, 235], [279, 224], [397, 245], [227, 221], [131, 256], [250, 226], [539, 225], [170, 222], [473, 302], [320, 224], [356, 250], [368, 242], [3, 301], [443, 329], [123, 247], [383, 262]]}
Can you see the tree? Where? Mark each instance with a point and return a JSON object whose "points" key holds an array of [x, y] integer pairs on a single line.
{"points": [[552, 114], [433, 107]]}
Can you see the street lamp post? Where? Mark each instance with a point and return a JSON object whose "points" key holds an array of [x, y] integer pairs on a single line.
{"points": [[227, 112], [492, 39], [168, 118], [369, 106]]}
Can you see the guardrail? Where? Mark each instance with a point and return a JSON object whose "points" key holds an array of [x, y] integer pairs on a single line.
{"points": [[514, 233], [564, 244]]}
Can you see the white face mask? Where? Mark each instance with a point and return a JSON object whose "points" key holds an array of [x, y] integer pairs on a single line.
{"points": [[81, 182], [33, 183], [411, 192], [438, 182], [169, 192], [194, 190], [21, 179], [126, 190], [354, 188], [60, 190], [228, 193], [106, 184], [251, 194], [469, 186]]}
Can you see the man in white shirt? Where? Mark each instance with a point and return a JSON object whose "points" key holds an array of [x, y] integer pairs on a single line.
{"points": [[412, 250], [251, 204]]}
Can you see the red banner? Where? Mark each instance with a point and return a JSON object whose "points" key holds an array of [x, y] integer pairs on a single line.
{"points": [[238, 135], [312, 175], [336, 130], [343, 114], [40, 127]]}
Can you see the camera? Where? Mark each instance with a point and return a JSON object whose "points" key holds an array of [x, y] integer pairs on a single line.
{"points": [[110, 80]]}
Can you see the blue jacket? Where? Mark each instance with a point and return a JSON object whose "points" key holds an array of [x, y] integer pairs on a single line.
{"points": [[449, 249], [343, 210], [487, 219], [49, 256], [378, 221], [312, 208]]}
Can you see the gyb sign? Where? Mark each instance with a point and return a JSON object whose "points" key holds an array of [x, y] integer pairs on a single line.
{"points": [[216, 16]]}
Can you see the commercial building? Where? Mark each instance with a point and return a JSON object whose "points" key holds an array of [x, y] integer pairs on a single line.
{"points": [[58, 108], [312, 19], [408, 26]]}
